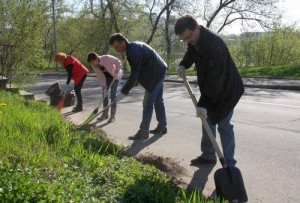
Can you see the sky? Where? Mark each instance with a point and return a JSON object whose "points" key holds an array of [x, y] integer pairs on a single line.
{"points": [[291, 8]]}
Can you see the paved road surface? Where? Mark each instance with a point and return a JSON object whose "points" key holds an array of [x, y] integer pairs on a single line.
{"points": [[267, 126]]}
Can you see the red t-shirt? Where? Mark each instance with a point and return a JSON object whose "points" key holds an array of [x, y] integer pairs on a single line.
{"points": [[78, 71]]}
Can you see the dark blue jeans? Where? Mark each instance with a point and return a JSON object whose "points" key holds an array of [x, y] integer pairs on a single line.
{"points": [[225, 128], [113, 92], [154, 99]]}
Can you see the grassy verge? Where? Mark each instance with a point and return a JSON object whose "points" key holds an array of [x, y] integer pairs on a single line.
{"points": [[43, 159], [283, 71], [189, 71]]}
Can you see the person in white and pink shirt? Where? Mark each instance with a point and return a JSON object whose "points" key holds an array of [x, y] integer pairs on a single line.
{"points": [[108, 69]]}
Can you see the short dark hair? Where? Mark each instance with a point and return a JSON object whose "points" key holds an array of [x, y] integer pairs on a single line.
{"points": [[185, 22], [117, 37], [92, 56]]}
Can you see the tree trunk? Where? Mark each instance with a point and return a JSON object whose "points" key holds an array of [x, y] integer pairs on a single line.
{"points": [[167, 34], [155, 26], [113, 16], [114, 22]]}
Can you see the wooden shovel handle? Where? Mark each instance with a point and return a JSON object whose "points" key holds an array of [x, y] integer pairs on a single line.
{"points": [[204, 121]]}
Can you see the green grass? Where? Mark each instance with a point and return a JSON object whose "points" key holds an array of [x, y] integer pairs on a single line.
{"points": [[53, 70], [44, 159], [189, 71], [282, 71]]}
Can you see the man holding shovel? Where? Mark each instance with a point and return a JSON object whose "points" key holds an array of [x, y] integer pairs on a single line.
{"points": [[109, 72], [149, 70], [219, 81]]}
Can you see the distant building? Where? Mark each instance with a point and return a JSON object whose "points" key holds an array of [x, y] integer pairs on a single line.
{"points": [[252, 34]]}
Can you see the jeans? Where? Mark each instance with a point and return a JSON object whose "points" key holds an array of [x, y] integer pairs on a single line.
{"points": [[225, 129], [113, 92], [154, 98], [77, 89]]}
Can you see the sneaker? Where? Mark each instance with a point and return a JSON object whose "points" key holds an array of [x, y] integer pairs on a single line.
{"points": [[111, 119], [77, 109], [140, 135], [201, 160], [158, 130]]}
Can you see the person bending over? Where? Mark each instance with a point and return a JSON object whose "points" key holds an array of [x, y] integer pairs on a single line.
{"points": [[149, 70], [109, 72], [76, 71]]}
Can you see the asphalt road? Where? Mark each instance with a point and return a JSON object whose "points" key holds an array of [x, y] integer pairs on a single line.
{"points": [[267, 128]]}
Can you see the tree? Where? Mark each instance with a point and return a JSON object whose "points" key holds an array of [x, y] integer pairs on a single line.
{"points": [[225, 12], [155, 18], [124, 16], [277, 47], [62, 9], [24, 22]]}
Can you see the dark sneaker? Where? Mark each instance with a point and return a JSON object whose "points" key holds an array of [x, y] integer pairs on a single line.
{"points": [[139, 136], [158, 130], [201, 160], [111, 119], [77, 109]]}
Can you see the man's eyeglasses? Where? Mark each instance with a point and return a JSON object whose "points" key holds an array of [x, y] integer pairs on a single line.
{"points": [[187, 37]]}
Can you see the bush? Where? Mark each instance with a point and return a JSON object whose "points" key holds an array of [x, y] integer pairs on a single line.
{"points": [[277, 47]]}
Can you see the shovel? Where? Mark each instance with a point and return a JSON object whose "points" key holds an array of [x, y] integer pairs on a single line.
{"points": [[228, 179], [92, 116], [95, 112], [61, 103]]}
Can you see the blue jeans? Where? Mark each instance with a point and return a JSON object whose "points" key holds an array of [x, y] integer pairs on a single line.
{"points": [[154, 98], [225, 129], [113, 92]]}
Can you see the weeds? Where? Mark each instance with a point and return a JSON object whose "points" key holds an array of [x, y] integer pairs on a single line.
{"points": [[43, 159]]}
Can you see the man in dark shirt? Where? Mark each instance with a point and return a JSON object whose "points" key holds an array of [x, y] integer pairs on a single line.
{"points": [[219, 82], [149, 70]]}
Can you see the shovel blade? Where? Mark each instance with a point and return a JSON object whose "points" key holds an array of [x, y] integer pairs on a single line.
{"points": [[89, 119], [60, 105], [230, 185]]}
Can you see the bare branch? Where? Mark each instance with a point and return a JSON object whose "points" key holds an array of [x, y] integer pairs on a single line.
{"points": [[217, 11], [261, 11], [157, 21]]}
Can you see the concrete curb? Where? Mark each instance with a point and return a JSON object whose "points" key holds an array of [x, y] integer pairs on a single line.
{"points": [[261, 86], [283, 87], [276, 87]]}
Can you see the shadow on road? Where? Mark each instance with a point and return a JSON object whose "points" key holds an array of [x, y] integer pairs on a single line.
{"points": [[104, 124], [139, 145], [94, 124], [200, 177], [68, 113]]}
